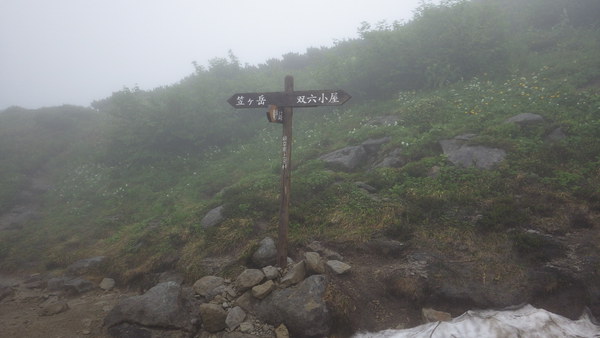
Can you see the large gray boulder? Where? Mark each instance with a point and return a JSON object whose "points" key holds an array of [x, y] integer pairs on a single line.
{"points": [[464, 155], [348, 158], [163, 306], [394, 159], [301, 308], [212, 218]]}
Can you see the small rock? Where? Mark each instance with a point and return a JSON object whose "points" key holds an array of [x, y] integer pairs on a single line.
{"points": [[107, 284], [246, 327], [235, 317], [271, 272], [213, 317], [266, 254], [314, 263], [248, 279], [282, 332], [206, 286], [79, 285], [213, 218], [230, 292], [263, 290], [54, 308], [431, 315], [339, 268], [325, 252], [295, 275]]}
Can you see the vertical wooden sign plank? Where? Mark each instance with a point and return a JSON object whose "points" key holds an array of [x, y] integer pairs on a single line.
{"points": [[286, 145]]}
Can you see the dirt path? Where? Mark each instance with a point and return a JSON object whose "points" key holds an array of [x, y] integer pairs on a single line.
{"points": [[21, 312]]}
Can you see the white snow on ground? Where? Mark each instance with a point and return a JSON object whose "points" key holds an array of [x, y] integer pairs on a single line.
{"points": [[524, 322]]}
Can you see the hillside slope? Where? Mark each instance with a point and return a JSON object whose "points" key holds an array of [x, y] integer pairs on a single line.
{"points": [[476, 128]]}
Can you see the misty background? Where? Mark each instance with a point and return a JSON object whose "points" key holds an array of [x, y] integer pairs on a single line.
{"points": [[74, 52]]}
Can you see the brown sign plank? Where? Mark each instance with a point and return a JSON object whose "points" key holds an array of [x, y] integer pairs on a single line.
{"points": [[306, 98]]}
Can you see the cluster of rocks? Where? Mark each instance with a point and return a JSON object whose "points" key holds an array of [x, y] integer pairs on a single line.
{"points": [[264, 301], [462, 153], [458, 150]]}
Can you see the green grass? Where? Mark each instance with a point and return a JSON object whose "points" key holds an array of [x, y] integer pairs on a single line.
{"points": [[144, 209]]}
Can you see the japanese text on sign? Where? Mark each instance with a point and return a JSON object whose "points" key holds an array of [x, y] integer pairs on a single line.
{"points": [[322, 98], [256, 101], [285, 158], [312, 98]]}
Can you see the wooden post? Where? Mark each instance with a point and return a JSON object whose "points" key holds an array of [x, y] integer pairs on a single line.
{"points": [[287, 100], [286, 163]]}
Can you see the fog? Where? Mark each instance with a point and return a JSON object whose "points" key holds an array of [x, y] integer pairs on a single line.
{"points": [[73, 51]]}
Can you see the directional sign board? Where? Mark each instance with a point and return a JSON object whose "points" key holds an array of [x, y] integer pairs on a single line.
{"points": [[309, 98], [280, 110]]}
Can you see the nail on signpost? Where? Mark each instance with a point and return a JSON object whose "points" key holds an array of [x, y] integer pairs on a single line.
{"points": [[280, 110]]}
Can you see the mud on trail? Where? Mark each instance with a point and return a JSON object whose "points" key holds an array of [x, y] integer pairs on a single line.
{"points": [[24, 311]]}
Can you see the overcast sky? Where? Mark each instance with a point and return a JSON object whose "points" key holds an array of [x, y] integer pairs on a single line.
{"points": [[55, 52]]}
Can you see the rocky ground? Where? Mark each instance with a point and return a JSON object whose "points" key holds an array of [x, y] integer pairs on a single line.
{"points": [[36, 312], [387, 287]]}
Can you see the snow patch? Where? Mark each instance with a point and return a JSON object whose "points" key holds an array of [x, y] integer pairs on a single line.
{"points": [[526, 321]]}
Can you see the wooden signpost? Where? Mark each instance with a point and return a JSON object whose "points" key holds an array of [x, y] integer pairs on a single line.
{"points": [[280, 110]]}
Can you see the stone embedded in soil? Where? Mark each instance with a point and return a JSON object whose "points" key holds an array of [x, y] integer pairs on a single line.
{"points": [[161, 306], [294, 275], [282, 332], [107, 284], [314, 263], [54, 308], [206, 285], [235, 317], [213, 317], [266, 254], [248, 279], [301, 307], [271, 272], [263, 290], [431, 315], [339, 268]]}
